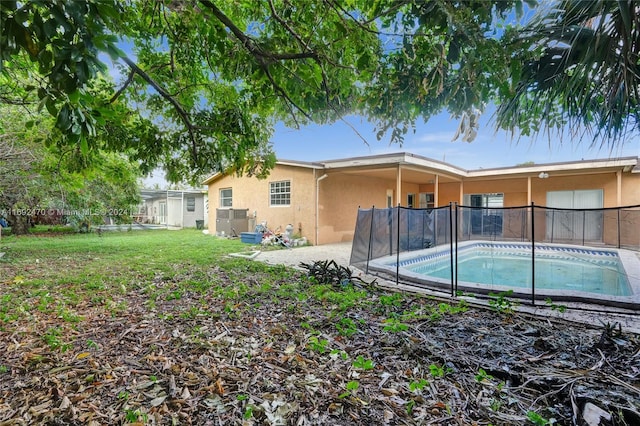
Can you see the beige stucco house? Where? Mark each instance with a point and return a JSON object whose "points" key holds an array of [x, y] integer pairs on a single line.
{"points": [[321, 199]]}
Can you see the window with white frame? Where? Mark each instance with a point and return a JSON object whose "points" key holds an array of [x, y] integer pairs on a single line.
{"points": [[226, 197], [280, 193]]}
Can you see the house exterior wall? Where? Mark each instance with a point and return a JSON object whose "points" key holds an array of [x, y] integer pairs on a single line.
{"points": [[448, 193], [342, 191], [189, 218], [630, 189], [179, 216], [253, 194], [630, 196], [340, 197]]}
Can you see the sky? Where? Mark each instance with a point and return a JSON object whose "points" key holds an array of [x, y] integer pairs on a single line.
{"points": [[434, 140]]}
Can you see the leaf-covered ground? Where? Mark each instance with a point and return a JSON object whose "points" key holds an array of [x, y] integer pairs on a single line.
{"points": [[164, 329]]}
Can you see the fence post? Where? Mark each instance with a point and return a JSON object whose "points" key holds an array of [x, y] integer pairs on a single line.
{"points": [[398, 245], [390, 224], [451, 246], [618, 210], [584, 219], [533, 255], [370, 238], [455, 236]]}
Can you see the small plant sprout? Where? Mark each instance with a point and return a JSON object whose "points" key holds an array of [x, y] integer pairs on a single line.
{"points": [[346, 327], [410, 406], [248, 412], [318, 345], [362, 363], [538, 420], [393, 300], [335, 353], [394, 325], [134, 416], [482, 376], [416, 386], [501, 303], [351, 388], [560, 308], [438, 371]]}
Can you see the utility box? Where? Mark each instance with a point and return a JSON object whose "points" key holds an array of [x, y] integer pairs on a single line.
{"points": [[232, 221]]}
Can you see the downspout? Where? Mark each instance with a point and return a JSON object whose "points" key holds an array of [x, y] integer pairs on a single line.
{"points": [[324, 176]]}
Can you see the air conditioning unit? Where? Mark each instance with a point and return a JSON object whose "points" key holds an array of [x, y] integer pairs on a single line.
{"points": [[232, 221]]}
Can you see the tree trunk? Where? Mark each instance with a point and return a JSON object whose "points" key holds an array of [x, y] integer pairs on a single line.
{"points": [[19, 221]]}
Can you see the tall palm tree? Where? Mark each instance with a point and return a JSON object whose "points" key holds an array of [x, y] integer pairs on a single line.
{"points": [[581, 69]]}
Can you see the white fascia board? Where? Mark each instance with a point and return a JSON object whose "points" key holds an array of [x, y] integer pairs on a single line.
{"points": [[434, 165], [557, 167], [304, 164], [374, 160], [390, 160]]}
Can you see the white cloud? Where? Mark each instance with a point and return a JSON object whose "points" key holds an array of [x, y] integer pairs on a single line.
{"points": [[437, 137]]}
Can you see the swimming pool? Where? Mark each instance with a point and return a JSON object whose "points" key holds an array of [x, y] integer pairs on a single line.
{"points": [[562, 272]]}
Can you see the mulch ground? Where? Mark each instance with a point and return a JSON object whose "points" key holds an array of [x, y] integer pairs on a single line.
{"points": [[281, 358]]}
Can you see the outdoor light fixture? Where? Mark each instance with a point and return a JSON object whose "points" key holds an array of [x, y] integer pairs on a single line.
{"points": [[543, 175]]}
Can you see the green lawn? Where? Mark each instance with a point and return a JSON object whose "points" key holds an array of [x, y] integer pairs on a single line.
{"points": [[55, 272], [67, 273]]}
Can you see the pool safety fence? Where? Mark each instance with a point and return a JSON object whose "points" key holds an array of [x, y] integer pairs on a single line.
{"points": [[388, 241]]}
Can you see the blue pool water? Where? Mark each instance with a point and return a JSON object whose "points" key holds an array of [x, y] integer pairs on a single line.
{"points": [[556, 268]]}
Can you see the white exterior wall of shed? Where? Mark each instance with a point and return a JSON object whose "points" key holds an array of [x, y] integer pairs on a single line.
{"points": [[189, 218], [177, 214]]}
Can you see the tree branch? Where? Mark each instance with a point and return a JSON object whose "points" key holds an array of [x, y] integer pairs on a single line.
{"points": [[124, 86], [284, 94], [263, 56], [249, 43], [179, 109], [285, 24]]}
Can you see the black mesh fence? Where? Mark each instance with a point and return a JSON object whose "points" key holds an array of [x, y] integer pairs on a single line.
{"points": [[384, 232], [532, 251]]}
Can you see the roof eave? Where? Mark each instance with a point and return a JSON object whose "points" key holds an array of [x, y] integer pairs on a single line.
{"points": [[618, 163]]}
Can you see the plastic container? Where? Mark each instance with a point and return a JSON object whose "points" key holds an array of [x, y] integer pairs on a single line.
{"points": [[251, 237]]}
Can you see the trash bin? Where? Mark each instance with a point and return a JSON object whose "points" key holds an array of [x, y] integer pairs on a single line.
{"points": [[199, 224]]}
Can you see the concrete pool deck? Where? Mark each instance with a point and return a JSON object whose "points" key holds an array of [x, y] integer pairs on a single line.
{"points": [[341, 253]]}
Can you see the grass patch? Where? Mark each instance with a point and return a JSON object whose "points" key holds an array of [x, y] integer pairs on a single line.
{"points": [[55, 274]]}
